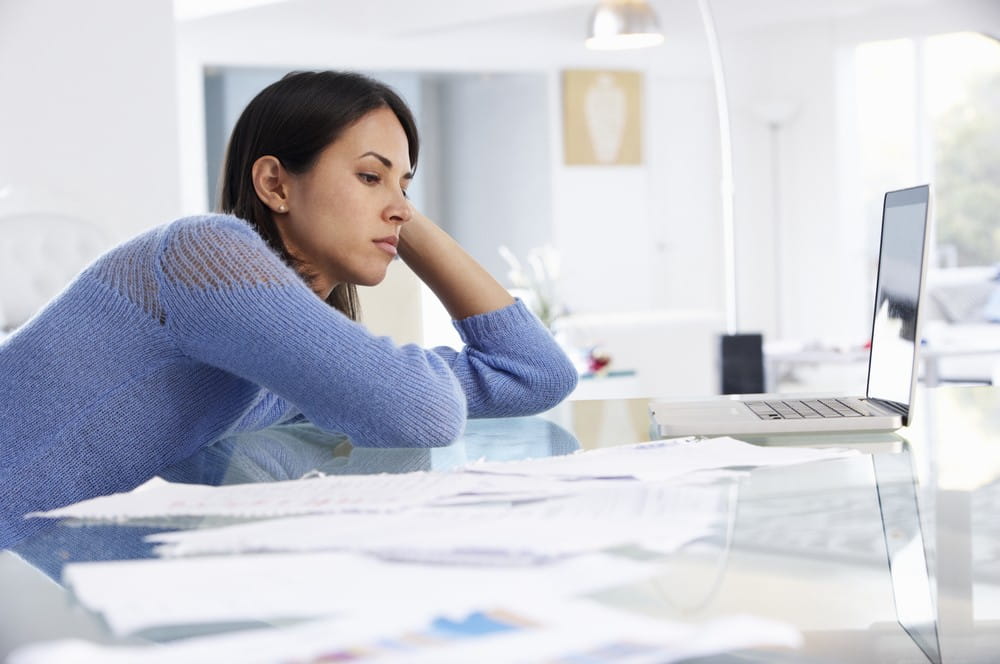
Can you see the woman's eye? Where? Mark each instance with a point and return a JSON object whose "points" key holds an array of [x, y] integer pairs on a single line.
{"points": [[406, 194], [369, 178]]}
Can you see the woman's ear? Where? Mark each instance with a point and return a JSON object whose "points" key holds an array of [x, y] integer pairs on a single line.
{"points": [[270, 181]]}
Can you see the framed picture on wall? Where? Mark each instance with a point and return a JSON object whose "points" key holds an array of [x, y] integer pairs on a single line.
{"points": [[602, 118]]}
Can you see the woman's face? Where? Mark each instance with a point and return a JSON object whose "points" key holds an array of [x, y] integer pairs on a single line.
{"points": [[344, 214]]}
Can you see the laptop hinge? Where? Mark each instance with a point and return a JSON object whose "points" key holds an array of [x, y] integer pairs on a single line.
{"points": [[902, 409]]}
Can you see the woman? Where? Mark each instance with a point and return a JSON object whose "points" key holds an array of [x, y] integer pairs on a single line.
{"points": [[218, 324]]}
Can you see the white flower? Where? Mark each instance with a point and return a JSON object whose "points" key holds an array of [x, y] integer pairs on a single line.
{"points": [[539, 283]]}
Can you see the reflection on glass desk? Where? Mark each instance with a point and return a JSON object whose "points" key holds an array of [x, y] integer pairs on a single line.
{"points": [[839, 549]]}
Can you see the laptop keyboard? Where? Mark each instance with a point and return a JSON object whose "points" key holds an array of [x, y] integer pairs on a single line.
{"points": [[796, 409]]}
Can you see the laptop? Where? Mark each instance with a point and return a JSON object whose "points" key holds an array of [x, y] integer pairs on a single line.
{"points": [[892, 362]]}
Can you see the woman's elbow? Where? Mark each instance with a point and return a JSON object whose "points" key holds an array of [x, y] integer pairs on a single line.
{"points": [[557, 383], [568, 378], [553, 376]]}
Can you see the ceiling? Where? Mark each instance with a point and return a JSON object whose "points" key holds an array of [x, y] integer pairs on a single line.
{"points": [[409, 17]]}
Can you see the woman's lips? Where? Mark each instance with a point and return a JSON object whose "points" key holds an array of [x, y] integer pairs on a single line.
{"points": [[387, 244]]}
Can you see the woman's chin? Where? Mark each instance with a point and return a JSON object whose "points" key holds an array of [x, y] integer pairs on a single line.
{"points": [[372, 279]]}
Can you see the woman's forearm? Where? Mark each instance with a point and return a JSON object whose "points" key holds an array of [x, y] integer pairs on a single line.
{"points": [[463, 286]]}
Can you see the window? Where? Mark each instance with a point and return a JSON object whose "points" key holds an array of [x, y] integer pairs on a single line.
{"points": [[929, 109]]}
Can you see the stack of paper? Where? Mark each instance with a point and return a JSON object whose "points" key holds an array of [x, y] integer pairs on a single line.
{"points": [[321, 495], [510, 534], [653, 516], [511, 481]]}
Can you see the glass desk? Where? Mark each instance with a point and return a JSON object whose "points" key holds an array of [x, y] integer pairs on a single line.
{"points": [[835, 548]]}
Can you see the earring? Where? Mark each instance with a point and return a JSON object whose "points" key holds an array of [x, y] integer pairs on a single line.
{"points": [[282, 208]]}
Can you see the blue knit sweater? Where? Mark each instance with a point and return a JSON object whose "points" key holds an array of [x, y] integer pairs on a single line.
{"points": [[197, 330]]}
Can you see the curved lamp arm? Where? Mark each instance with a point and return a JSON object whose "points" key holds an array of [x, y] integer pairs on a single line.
{"points": [[726, 148]]}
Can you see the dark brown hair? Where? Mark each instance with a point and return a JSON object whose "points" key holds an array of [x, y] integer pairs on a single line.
{"points": [[293, 120]]}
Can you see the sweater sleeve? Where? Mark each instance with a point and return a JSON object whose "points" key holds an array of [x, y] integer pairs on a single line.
{"points": [[510, 365], [231, 303]]}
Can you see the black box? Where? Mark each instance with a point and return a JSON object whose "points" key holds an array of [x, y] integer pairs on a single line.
{"points": [[742, 363]]}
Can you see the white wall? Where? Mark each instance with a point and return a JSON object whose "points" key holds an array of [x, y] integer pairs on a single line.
{"points": [[493, 175], [88, 124]]}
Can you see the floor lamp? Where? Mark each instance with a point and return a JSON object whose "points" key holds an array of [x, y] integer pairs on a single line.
{"points": [[617, 24], [741, 354]]}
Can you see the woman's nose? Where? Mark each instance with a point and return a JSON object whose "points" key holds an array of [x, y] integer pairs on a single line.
{"points": [[400, 210]]}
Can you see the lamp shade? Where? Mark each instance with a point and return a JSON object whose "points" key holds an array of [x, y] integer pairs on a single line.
{"points": [[623, 24]]}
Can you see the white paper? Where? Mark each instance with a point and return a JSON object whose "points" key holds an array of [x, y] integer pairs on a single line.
{"points": [[555, 630], [499, 540], [658, 517], [341, 493], [512, 481], [140, 594], [660, 460]]}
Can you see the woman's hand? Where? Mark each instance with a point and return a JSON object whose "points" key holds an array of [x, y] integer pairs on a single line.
{"points": [[462, 285]]}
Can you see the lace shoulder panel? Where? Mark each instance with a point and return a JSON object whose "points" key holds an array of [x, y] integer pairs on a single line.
{"points": [[219, 252], [130, 269]]}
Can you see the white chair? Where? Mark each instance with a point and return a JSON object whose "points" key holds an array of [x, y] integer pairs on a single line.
{"points": [[40, 254], [960, 331]]}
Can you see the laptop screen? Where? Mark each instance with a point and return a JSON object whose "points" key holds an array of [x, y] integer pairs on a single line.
{"points": [[897, 294]]}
